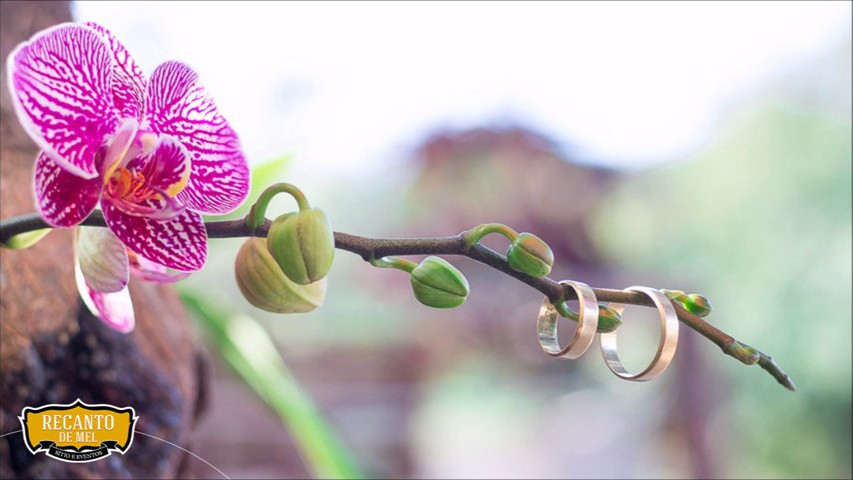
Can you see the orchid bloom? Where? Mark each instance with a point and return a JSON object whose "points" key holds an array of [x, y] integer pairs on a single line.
{"points": [[154, 153]]}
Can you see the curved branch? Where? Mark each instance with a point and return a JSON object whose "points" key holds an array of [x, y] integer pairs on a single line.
{"points": [[370, 248]]}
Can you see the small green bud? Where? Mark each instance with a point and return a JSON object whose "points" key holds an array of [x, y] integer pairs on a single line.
{"points": [[608, 319], [693, 303], [529, 254], [265, 286], [303, 244], [697, 304], [673, 294], [26, 239], [439, 284]]}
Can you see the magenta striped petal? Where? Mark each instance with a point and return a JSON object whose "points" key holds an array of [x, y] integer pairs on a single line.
{"points": [[61, 87], [63, 199], [167, 168], [177, 105], [161, 207], [114, 309], [129, 82], [179, 243], [103, 259], [152, 272]]}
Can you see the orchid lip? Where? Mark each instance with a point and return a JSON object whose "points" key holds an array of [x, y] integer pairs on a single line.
{"points": [[145, 177]]}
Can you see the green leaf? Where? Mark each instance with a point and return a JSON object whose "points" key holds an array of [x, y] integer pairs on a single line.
{"points": [[249, 351]]}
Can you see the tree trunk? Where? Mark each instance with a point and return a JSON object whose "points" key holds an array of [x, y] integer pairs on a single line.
{"points": [[52, 350]]}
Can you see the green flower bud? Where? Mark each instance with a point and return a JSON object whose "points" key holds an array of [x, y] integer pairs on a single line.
{"points": [[673, 294], [265, 286], [608, 319], [693, 303], [303, 244], [529, 254], [26, 239], [439, 284], [697, 304]]}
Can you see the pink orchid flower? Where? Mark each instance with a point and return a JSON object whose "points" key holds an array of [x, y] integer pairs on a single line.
{"points": [[154, 153]]}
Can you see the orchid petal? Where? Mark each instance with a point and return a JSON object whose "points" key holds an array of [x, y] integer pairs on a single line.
{"points": [[179, 243], [63, 199], [167, 168], [161, 207], [129, 82], [153, 272], [114, 309], [102, 259], [61, 87], [176, 104]]}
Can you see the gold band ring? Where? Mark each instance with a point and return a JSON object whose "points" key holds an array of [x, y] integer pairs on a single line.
{"points": [[666, 347], [546, 324]]}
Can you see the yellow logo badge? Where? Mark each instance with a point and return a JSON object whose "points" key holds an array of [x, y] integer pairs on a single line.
{"points": [[78, 432]]}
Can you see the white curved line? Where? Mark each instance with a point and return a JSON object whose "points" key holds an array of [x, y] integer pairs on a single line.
{"points": [[10, 433], [181, 448]]}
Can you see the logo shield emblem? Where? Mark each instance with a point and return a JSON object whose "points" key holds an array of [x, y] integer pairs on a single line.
{"points": [[78, 432]]}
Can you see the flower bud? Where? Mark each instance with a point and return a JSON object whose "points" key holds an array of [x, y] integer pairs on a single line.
{"points": [[697, 304], [529, 254], [673, 294], [303, 244], [693, 303], [265, 286], [608, 319], [439, 284]]}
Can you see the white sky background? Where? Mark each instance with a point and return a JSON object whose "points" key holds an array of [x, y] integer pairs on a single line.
{"points": [[347, 85]]}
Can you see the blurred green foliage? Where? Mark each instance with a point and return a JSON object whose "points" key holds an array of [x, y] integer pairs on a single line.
{"points": [[761, 222], [247, 348]]}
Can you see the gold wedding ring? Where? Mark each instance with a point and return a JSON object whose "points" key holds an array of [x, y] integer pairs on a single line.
{"points": [[546, 324], [666, 347]]}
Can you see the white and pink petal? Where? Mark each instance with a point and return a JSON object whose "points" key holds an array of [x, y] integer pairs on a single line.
{"points": [[62, 198], [129, 83], [102, 259], [115, 309], [178, 105], [149, 271], [179, 243], [61, 86]]}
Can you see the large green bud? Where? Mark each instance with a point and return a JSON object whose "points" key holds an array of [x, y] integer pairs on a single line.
{"points": [[439, 284], [265, 286], [303, 244], [529, 254]]}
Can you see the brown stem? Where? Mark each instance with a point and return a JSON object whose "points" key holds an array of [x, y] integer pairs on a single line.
{"points": [[369, 248]]}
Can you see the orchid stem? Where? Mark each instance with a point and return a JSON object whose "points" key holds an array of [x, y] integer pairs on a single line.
{"points": [[394, 262], [474, 235], [257, 214], [372, 248]]}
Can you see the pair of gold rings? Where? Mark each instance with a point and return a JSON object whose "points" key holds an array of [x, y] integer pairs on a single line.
{"points": [[546, 327]]}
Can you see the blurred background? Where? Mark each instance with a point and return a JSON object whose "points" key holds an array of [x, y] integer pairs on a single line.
{"points": [[697, 146]]}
